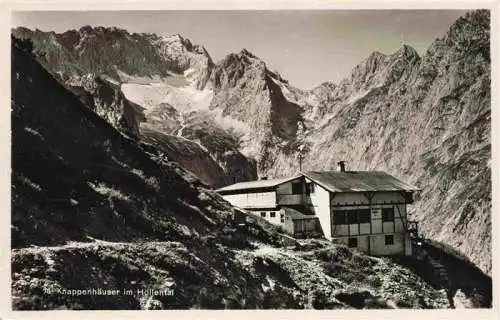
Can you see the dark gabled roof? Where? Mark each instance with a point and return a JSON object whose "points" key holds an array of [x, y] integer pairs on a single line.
{"points": [[257, 184], [358, 181], [333, 181]]}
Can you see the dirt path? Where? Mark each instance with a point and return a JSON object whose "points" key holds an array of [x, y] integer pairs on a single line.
{"points": [[474, 287], [466, 285]]}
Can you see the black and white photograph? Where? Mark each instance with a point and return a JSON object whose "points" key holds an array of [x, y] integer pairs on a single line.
{"points": [[306, 159]]}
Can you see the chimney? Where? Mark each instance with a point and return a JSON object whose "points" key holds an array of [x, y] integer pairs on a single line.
{"points": [[341, 166], [300, 161]]}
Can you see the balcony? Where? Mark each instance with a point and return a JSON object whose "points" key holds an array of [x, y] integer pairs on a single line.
{"points": [[290, 199]]}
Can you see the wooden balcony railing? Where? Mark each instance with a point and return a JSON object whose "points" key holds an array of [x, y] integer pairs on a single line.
{"points": [[290, 199]]}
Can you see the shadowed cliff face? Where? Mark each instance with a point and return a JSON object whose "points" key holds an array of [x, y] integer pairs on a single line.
{"points": [[425, 119], [75, 176], [104, 97]]}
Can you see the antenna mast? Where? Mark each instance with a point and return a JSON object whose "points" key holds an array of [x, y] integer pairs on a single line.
{"points": [[301, 148]]}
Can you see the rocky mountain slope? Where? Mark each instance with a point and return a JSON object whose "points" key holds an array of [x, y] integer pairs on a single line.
{"points": [[142, 81], [101, 211], [242, 80], [425, 119]]}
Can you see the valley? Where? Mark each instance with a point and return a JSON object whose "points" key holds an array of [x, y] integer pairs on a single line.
{"points": [[133, 132]]}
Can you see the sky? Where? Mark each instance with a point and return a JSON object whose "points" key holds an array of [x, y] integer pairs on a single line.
{"points": [[307, 47]]}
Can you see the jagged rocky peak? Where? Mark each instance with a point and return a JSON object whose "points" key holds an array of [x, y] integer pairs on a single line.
{"points": [[102, 50], [247, 72], [468, 34], [462, 53], [33, 35], [373, 64], [376, 54], [178, 42], [247, 91], [186, 57], [178, 38], [477, 20], [406, 52], [89, 30], [380, 69], [377, 60], [374, 57], [245, 52], [71, 38], [244, 57], [319, 94], [244, 69], [327, 85], [277, 76], [238, 70], [23, 32]]}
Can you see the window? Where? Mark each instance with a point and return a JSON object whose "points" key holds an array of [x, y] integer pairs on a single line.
{"points": [[364, 216], [339, 217], [387, 214], [353, 243], [351, 216], [389, 240], [282, 218], [310, 187], [273, 214], [263, 214], [297, 188]]}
